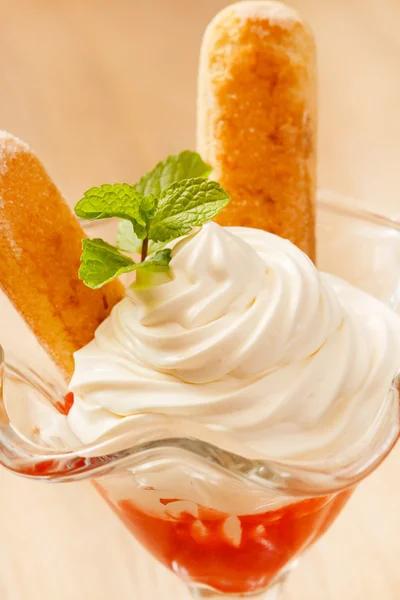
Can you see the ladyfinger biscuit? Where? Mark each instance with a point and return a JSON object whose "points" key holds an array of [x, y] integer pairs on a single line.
{"points": [[257, 118], [40, 248]]}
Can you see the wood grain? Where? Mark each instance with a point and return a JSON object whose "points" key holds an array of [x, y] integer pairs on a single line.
{"points": [[102, 90]]}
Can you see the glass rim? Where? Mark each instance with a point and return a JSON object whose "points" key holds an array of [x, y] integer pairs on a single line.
{"points": [[350, 207], [161, 432]]}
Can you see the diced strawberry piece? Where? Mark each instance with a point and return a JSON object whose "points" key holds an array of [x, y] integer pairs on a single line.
{"points": [[232, 531], [199, 531]]}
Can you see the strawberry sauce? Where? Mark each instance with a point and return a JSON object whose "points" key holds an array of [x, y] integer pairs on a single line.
{"points": [[228, 553]]}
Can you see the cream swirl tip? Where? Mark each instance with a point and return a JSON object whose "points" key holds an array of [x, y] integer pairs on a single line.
{"points": [[227, 311]]}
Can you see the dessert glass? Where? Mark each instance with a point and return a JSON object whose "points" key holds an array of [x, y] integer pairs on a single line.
{"points": [[229, 525]]}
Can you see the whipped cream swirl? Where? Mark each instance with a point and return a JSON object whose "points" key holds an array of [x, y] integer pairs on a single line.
{"points": [[249, 338]]}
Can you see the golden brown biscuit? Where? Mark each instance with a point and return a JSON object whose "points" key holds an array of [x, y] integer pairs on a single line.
{"points": [[40, 248], [257, 118]]}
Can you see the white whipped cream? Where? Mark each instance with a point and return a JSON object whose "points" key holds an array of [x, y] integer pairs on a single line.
{"points": [[247, 337]]}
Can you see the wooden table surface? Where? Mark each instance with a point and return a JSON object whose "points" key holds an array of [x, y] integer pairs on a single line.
{"points": [[102, 90]]}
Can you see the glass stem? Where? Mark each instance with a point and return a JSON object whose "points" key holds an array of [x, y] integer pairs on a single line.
{"points": [[273, 593]]}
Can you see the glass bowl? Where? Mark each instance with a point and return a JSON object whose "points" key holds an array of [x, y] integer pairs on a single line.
{"points": [[228, 524]]}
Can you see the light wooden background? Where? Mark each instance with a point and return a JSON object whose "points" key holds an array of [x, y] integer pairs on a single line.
{"points": [[103, 89]]}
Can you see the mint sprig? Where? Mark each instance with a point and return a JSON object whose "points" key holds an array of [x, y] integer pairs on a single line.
{"points": [[166, 204], [186, 165]]}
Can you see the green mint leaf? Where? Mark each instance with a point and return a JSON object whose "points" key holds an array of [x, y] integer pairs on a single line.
{"points": [[184, 205], [128, 241], [177, 167], [148, 205], [153, 271], [117, 200], [101, 263], [158, 262]]}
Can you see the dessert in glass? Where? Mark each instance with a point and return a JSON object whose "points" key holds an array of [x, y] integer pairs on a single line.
{"points": [[227, 402]]}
